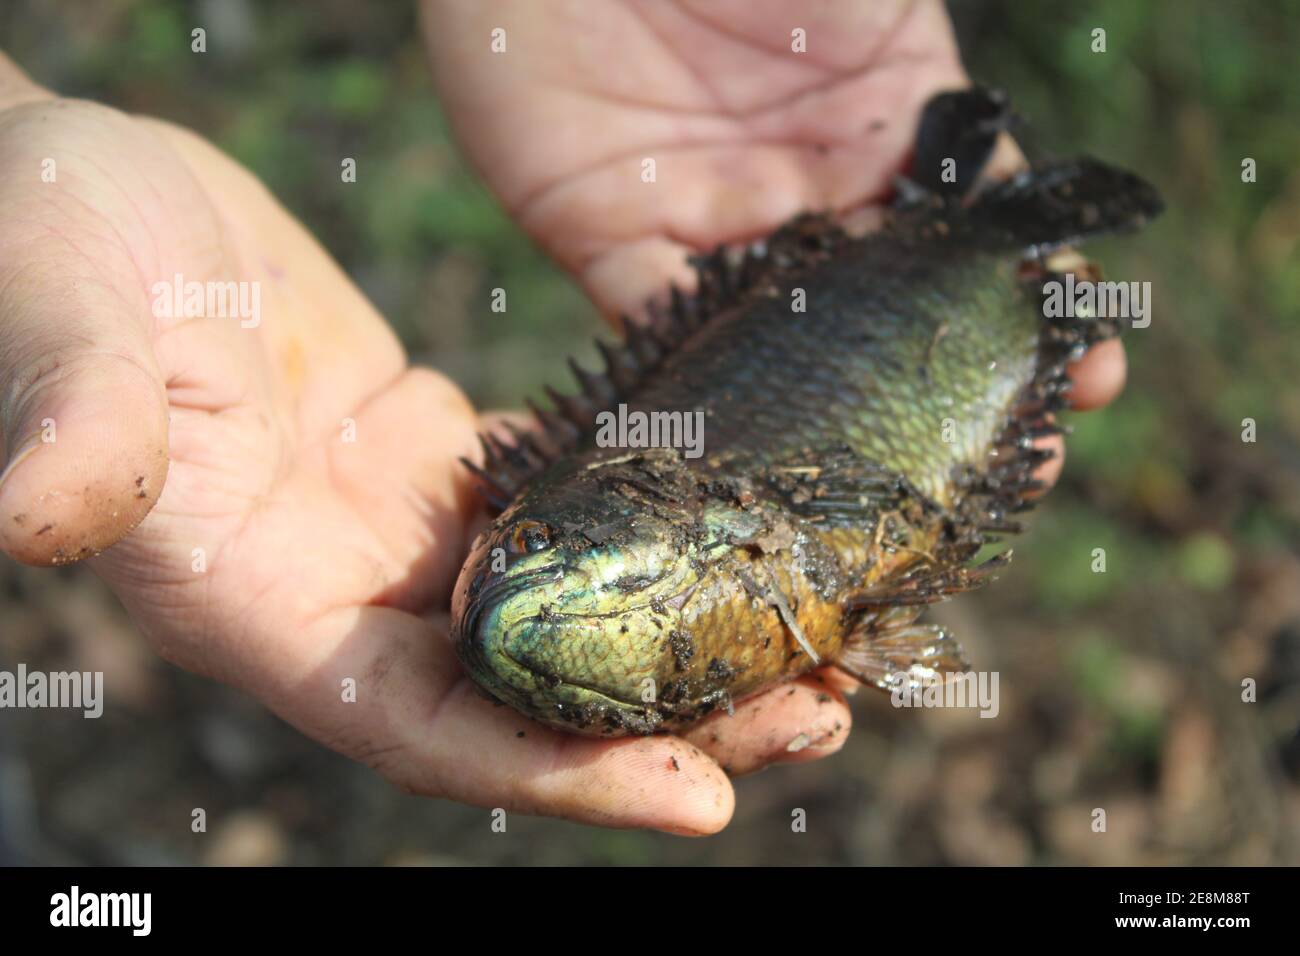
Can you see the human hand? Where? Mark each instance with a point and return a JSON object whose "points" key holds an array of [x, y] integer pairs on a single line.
{"points": [[248, 538], [321, 555]]}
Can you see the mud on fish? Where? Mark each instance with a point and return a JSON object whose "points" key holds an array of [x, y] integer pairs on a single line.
{"points": [[859, 452]]}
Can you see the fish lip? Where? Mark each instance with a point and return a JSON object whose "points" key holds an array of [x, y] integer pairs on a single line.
{"points": [[505, 676], [517, 582], [472, 648], [501, 683], [509, 585], [465, 630], [501, 587], [682, 595]]}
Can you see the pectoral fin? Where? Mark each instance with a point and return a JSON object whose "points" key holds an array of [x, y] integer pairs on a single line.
{"points": [[914, 654], [888, 646]]}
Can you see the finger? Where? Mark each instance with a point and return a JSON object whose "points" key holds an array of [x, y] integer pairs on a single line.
{"points": [[402, 472], [1049, 472], [840, 681], [84, 412], [1099, 376], [15, 85], [499, 421], [85, 436], [623, 278], [1097, 379], [802, 720], [1005, 161], [418, 721]]}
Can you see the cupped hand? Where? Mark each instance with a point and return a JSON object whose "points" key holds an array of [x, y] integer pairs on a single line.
{"points": [[277, 498]]}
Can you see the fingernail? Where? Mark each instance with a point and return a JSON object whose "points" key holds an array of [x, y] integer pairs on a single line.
{"points": [[681, 831], [799, 743], [32, 442]]}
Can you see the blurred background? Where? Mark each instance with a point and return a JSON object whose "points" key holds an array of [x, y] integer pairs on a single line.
{"points": [[1119, 690]]}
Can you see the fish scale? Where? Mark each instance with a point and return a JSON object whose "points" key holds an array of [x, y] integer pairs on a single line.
{"points": [[858, 453]]}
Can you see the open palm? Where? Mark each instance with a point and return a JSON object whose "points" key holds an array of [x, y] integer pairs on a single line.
{"points": [[743, 131]]}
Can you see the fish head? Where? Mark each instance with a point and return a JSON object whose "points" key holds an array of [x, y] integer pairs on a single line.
{"points": [[564, 608]]}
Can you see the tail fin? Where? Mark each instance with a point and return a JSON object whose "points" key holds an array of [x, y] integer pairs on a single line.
{"points": [[1057, 204]]}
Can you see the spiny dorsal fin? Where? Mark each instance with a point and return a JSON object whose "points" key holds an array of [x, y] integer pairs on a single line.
{"points": [[726, 279]]}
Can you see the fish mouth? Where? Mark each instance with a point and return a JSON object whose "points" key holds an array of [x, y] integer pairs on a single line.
{"points": [[481, 641], [508, 585], [493, 593], [507, 675], [544, 696]]}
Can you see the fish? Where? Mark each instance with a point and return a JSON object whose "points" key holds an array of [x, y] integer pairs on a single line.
{"points": [[868, 409]]}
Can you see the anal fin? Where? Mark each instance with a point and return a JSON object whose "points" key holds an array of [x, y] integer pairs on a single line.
{"points": [[888, 647]]}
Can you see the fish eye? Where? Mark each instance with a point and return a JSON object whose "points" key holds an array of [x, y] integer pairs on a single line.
{"points": [[529, 536]]}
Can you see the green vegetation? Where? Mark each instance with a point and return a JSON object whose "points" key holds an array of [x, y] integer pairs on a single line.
{"points": [[1199, 528]]}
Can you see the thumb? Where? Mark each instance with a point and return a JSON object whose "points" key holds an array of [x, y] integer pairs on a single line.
{"points": [[15, 86], [84, 423], [83, 407]]}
